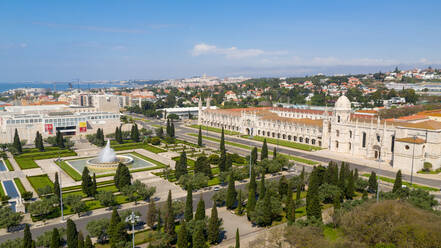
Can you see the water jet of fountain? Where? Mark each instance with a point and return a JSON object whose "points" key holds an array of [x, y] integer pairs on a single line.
{"points": [[107, 155]]}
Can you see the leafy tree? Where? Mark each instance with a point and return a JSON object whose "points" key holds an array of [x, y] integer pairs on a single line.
{"points": [[106, 198], [182, 236], [159, 132], [237, 239], [129, 191], [27, 237], [398, 182], [350, 189], [274, 153], [262, 188], [264, 151], [117, 232], [99, 228], [17, 143], [214, 226], [231, 192], [202, 165], [151, 215], [71, 234], [188, 214], [372, 183], [143, 191], [87, 183], [55, 239], [181, 165], [200, 210], [200, 137], [198, 236], [122, 176], [254, 156]]}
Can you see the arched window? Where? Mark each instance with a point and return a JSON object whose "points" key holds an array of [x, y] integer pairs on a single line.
{"points": [[338, 119], [336, 144], [295, 138], [364, 140], [350, 146], [313, 141], [350, 134], [263, 133], [283, 136], [307, 140], [301, 139], [289, 137], [337, 133]]}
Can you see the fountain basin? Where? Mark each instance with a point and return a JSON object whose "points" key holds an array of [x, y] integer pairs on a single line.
{"points": [[96, 163]]}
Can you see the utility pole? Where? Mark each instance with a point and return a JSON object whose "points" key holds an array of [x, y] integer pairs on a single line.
{"points": [[61, 198]]}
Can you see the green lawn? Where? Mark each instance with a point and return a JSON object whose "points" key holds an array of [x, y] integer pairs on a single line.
{"points": [[20, 186], [159, 164], [213, 129], [136, 145], [40, 181], [285, 143], [26, 159], [69, 170], [8, 164], [2, 191], [298, 159], [416, 186]]}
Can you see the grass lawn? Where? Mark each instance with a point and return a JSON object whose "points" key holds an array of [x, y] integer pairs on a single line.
{"points": [[159, 164], [298, 159], [8, 164], [437, 171], [20, 186], [26, 159], [40, 181], [416, 186], [290, 144], [213, 129], [2, 191], [69, 170], [26, 163]]}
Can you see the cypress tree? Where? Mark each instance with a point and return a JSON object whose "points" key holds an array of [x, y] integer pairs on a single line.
{"points": [[117, 230], [188, 213], [262, 188], [60, 139], [124, 177], [264, 151], [239, 202], [86, 184], [172, 129], [169, 226], [134, 134], [237, 239], [94, 186], [57, 191], [336, 200], [372, 183], [290, 211], [17, 143], [181, 165], [80, 240], [159, 226], [313, 208], [222, 141], [267, 211], [200, 210], [274, 153], [200, 137], [229, 162], [334, 176], [252, 187], [350, 189], [151, 215], [39, 142], [118, 135], [355, 174], [298, 191], [398, 182], [214, 226], [182, 236], [254, 156], [302, 178], [342, 178], [88, 242], [283, 186], [27, 236], [231, 192], [55, 239], [253, 184], [198, 235], [71, 234], [223, 161], [168, 128]]}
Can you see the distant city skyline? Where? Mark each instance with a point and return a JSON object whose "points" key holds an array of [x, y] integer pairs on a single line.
{"points": [[119, 40]]}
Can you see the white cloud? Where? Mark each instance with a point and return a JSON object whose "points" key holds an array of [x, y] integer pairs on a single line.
{"points": [[232, 52]]}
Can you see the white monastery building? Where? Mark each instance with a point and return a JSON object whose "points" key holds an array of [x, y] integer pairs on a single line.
{"points": [[401, 142]]}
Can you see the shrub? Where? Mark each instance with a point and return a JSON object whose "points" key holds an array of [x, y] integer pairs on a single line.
{"points": [[427, 167], [155, 141]]}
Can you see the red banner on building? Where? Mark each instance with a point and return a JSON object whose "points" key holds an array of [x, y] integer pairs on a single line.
{"points": [[83, 127], [49, 128]]}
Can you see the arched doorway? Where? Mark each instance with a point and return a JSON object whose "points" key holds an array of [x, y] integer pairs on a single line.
{"points": [[377, 151], [248, 131]]}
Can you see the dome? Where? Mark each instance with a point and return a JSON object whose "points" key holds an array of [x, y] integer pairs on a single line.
{"points": [[343, 103]]}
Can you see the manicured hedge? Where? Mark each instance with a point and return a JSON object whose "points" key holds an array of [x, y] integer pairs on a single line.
{"points": [[20, 186], [213, 129], [285, 143], [8, 164]]}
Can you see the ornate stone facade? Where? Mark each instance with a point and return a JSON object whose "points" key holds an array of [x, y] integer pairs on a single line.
{"points": [[399, 142]]}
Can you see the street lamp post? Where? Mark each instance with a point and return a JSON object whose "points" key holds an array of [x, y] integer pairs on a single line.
{"points": [[132, 219], [61, 198]]}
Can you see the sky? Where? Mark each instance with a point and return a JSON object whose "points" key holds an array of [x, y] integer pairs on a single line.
{"points": [[121, 40]]}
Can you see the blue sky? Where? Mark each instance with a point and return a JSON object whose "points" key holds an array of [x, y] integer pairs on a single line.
{"points": [[116, 40]]}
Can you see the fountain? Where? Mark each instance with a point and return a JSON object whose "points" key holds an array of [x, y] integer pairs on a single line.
{"points": [[108, 159]]}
